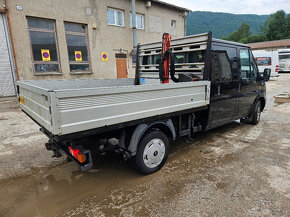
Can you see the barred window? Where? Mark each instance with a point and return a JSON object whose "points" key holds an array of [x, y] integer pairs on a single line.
{"points": [[115, 17], [139, 21], [43, 45], [173, 23], [77, 47]]}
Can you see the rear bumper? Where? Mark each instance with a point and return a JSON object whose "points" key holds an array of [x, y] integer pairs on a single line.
{"points": [[88, 164], [61, 150]]}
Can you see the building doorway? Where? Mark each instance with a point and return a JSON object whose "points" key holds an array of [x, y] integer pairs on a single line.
{"points": [[7, 87], [121, 64]]}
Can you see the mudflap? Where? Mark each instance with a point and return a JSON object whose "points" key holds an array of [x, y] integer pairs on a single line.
{"points": [[60, 151]]}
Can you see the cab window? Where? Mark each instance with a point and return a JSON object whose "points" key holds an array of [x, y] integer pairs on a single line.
{"points": [[245, 64], [231, 53], [254, 68], [221, 67]]}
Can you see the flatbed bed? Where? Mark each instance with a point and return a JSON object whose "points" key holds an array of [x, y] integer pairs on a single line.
{"points": [[64, 107]]}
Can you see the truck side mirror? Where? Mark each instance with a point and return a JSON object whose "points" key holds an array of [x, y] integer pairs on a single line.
{"points": [[267, 74]]}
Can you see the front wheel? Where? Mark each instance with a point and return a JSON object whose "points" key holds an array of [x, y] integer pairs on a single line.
{"points": [[256, 114], [152, 152]]}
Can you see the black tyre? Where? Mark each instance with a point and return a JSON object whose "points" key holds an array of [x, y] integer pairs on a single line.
{"points": [[152, 152], [256, 114]]}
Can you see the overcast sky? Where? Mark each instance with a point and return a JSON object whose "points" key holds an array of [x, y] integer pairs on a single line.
{"points": [[234, 6]]}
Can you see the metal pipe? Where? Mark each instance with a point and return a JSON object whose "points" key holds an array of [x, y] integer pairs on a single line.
{"points": [[134, 25], [185, 25]]}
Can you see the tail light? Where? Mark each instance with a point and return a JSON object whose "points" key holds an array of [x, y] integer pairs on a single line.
{"points": [[277, 66], [77, 154]]}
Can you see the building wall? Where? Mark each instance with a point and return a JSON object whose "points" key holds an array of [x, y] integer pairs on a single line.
{"points": [[104, 38], [1, 5]]}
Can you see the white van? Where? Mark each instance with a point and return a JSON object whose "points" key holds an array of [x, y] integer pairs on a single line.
{"points": [[267, 59], [284, 60]]}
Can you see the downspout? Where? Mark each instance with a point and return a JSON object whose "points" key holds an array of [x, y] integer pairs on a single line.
{"points": [[134, 26], [11, 39], [185, 24]]}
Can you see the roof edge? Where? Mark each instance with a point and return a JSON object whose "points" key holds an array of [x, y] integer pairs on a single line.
{"points": [[171, 5], [270, 44]]}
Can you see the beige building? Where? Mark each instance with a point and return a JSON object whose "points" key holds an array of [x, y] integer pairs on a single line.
{"points": [[78, 39]]}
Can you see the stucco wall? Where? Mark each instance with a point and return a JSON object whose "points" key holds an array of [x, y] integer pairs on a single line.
{"points": [[1, 6], [104, 38]]}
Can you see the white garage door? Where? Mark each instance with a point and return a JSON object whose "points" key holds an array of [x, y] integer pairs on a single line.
{"points": [[6, 77]]}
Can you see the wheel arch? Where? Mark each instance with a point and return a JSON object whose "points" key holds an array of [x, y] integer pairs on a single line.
{"points": [[262, 99], [166, 126], [263, 102]]}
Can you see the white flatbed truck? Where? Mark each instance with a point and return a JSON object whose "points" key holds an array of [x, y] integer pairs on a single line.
{"points": [[141, 113]]}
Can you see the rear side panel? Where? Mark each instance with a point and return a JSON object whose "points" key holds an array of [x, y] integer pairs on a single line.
{"points": [[36, 103], [81, 110]]}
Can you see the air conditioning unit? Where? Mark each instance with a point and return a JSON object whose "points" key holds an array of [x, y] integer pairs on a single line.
{"points": [[148, 4]]}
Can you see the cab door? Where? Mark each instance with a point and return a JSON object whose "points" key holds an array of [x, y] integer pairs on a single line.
{"points": [[223, 91], [248, 85]]}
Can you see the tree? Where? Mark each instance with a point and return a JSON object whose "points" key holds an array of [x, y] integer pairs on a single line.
{"points": [[288, 27], [276, 26], [241, 35], [255, 38]]}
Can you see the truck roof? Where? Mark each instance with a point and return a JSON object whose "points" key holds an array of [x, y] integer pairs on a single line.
{"points": [[229, 42]]}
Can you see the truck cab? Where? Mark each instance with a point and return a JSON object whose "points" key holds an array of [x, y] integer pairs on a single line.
{"points": [[236, 84]]}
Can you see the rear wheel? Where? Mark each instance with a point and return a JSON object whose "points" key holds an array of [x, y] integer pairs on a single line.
{"points": [[152, 152]]}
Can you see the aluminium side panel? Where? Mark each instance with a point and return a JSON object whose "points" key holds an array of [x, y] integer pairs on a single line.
{"points": [[85, 109], [36, 103], [55, 114]]}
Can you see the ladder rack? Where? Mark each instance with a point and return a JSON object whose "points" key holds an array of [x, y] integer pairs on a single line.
{"points": [[190, 57]]}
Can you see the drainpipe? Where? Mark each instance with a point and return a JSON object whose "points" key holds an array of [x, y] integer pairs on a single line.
{"points": [[184, 14], [11, 39], [134, 26], [185, 25]]}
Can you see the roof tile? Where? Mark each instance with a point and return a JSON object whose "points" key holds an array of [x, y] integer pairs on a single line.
{"points": [[284, 43]]}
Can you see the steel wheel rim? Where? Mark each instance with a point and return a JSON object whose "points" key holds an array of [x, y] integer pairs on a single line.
{"points": [[154, 153]]}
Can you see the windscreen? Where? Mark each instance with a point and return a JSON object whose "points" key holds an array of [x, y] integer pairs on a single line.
{"points": [[284, 56]]}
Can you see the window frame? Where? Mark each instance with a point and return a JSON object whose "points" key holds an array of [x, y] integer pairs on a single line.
{"points": [[253, 67], [232, 53], [131, 21], [34, 62], [115, 17], [219, 66], [88, 62], [173, 22]]}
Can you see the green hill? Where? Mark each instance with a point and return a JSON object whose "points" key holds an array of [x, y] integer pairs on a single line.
{"points": [[221, 24]]}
